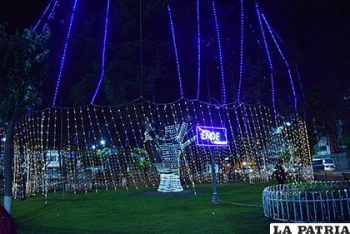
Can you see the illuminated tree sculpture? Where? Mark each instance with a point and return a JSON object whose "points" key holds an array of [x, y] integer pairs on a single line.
{"points": [[167, 150]]}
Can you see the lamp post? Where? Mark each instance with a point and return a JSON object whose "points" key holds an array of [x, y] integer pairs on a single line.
{"points": [[215, 198], [212, 137]]}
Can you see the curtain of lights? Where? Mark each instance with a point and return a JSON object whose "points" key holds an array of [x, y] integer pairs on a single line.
{"points": [[96, 147]]}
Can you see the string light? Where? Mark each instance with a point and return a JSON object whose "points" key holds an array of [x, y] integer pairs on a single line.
{"points": [[64, 52], [181, 118], [285, 61], [223, 87], [42, 16], [135, 140], [102, 157], [241, 54], [195, 150], [87, 148], [121, 149], [92, 130], [103, 55], [256, 147], [147, 158], [270, 62], [199, 51], [175, 50], [126, 136], [50, 16], [196, 118]]}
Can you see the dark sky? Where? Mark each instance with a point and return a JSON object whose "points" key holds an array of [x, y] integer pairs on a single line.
{"points": [[317, 32], [320, 29]]}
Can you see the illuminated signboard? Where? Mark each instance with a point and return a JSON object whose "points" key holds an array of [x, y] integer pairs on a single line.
{"points": [[211, 136]]}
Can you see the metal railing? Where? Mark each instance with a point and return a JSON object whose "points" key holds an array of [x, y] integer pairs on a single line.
{"points": [[308, 202]]}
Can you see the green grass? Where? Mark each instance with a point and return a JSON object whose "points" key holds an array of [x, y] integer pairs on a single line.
{"points": [[144, 211]]}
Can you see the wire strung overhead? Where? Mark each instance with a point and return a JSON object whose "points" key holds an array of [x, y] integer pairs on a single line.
{"points": [[198, 51], [42, 16], [51, 15], [222, 71], [269, 60], [285, 61], [103, 54], [63, 59], [241, 54], [174, 38], [175, 51]]}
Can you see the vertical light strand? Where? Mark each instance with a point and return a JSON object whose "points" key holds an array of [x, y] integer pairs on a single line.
{"points": [[77, 152], [141, 51], [103, 55], [285, 61], [269, 60], [175, 50], [122, 151], [91, 129], [87, 148], [139, 124], [126, 139], [194, 152], [223, 87], [112, 142], [186, 161], [64, 52], [241, 54], [199, 51], [42, 16], [52, 12], [101, 137], [127, 113]]}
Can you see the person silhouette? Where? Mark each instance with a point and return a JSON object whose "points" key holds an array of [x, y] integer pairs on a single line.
{"points": [[280, 173]]}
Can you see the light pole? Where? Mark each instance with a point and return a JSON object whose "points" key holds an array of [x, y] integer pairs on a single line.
{"points": [[212, 137], [215, 198]]}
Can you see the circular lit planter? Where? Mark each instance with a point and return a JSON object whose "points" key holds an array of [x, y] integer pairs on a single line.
{"points": [[308, 202]]}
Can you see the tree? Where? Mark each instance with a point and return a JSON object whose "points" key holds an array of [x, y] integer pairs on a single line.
{"points": [[23, 64]]}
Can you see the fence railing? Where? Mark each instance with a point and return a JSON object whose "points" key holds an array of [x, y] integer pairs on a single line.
{"points": [[308, 202]]}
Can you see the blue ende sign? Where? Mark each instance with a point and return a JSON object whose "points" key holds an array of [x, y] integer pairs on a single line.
{"points": [[211, 136]]}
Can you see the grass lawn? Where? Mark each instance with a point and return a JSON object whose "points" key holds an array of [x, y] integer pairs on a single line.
{"points": [[144, 211]]}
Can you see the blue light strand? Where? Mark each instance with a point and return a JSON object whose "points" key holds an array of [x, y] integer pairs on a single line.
{"points": [[42, 16], [276, 34], [285, 61], [103, 54], [50, 16], [199, 51], [44, 28], [270, 62], [241, 54], [53, 10], [223, 88], [175, 50], [64, 52]]}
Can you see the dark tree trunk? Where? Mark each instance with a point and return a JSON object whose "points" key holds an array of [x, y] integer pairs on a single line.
{"points": [[8, 160]]}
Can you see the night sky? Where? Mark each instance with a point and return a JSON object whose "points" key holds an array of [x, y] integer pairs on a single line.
{"points": [[316, 32]]}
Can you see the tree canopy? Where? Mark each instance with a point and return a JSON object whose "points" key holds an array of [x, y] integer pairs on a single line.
{"points": [[23, 64], [22, 69]]}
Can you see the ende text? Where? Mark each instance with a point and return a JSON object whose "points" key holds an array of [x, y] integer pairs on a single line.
{"points": [[212, 136]]}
